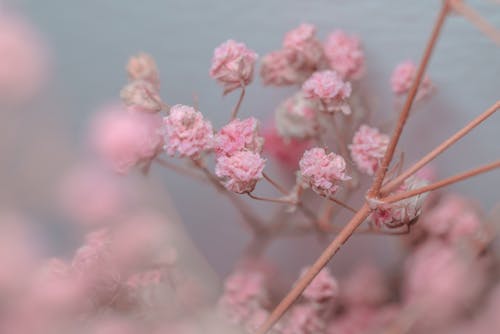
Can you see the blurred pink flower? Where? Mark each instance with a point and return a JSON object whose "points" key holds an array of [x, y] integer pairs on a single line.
{"points": [[187, 133], [368, 148], [24, 63], [297, 118], [345, 55], [143, 67], [303, 41], [286, 151], [303, 319], [142, 96], [322, 172], [403, 76], [328, 88], [124, 138], [241, 171], [365, 286], [322, 288], [233, 65], [239, 135]]}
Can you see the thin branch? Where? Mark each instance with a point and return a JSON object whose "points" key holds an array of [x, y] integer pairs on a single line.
{"points": [[342, 204], [476, 19], [180, 169], [442, 183], [238, 104], [380, 175], [439, 149], [275, 184], [272, 200]]}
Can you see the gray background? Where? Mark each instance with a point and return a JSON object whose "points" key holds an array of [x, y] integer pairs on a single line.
{"points": [[91, 41]]}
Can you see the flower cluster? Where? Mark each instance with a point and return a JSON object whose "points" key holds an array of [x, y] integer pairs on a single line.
{"points": [[232, 65], [328, 88], [186, 132], [403, 76], [368, 148], [322, 172], [345, 55], [297, 118]]}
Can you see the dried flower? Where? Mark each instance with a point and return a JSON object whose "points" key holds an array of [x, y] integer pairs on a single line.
{"points": [[186, 132], [143, 68], [403, 76], [328, 88], [239, 135], [400, 213], [241, 171], [303, 319], [142, 96], [368, 148], [322, 171], [303, 41], [296, 117], [345, 55], [364, 287], [126, 138], [232, 65], [284, 67]]}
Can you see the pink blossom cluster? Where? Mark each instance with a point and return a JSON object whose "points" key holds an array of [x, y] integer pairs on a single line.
{"points": [[186, 132], [238, 147], [301, 55], [142, 92], [328, 88], [233, 65], [287, 152], [403, 76], [368, 148], [345, 55], [124, 138], [297, 117], [322, 172]]}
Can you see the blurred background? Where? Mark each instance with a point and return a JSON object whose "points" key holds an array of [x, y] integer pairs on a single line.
{"points": [[86, 44]]}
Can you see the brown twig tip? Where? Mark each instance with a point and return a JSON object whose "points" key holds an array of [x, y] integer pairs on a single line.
{"points": [[471, 15]]}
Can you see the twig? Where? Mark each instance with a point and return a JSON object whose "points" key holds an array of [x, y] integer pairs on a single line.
{"points": [[439, 149], [180, 169], [272, 200], [476, 19], [342, 204], [380, 175], [275, 184], [238, 104], [442, 183]]}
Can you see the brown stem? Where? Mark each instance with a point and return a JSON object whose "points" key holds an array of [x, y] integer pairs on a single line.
{"points": [[392, 185], [304, 281], [342, 204], [442, 183], [380, 175], [272, 200], [238, 104], [179, 169], [275, 184], [476, 19]]}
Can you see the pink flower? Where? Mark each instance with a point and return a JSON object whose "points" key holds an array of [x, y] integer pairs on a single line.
{"points": [[126, 138], [186, 132], [322, 172], [303, 41], [297, 118], [368, 148], [322, 288], [400, 213], [244, 295], [142, 96], [232, 65], [454, 218], [284, 67], [24, 63], [403, 76], [241, 171], [303, 319], [143, 68], [91, 196], [442, 280], [328, 88], [287, 152], [239, 135], [345, 55], [365, 286]]}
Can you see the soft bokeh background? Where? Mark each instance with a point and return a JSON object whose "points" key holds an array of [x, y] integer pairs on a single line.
{"points": [[91, 40]]}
